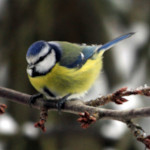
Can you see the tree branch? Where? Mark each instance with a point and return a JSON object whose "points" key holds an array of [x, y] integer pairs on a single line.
{"points": [[77, 106], [90, 111]]}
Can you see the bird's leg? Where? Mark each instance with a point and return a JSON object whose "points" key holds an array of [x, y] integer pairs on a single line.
{"points": [[34, 97], [60, 102]]}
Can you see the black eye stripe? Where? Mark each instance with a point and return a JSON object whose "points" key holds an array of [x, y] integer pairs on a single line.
{"points": [[42, 57]]}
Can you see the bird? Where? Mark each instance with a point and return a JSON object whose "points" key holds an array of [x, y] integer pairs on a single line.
{"points": [[61, 70]]}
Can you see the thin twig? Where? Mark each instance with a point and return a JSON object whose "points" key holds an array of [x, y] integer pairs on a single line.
{"points": [[117, 96]]}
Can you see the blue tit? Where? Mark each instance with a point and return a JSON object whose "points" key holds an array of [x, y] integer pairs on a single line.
{"points": [[58, 68]]}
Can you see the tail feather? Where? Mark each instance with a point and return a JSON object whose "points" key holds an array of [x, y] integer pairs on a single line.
{"points": [[115, 41]]}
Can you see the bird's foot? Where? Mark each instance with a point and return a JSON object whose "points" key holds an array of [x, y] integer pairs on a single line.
{"points": [[60, 102], [34, 97]]}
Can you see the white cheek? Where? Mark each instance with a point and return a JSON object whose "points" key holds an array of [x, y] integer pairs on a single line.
{"points": [[47, 63]]}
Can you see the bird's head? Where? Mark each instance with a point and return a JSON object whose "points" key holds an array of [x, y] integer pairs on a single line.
{"points": [[42, 57]]}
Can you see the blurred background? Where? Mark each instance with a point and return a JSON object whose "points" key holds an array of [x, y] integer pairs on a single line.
{"points": [[80, 21]]}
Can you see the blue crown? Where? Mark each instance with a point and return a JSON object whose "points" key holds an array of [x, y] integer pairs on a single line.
{"points": [[35, 48]]}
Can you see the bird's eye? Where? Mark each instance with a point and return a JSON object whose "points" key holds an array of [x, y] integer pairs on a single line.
{"points": [[41, 58]]}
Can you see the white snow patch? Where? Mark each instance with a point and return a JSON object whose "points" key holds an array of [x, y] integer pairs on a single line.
{"points": [[125, 52], [113, 129], [7, 124], [29, 130]]}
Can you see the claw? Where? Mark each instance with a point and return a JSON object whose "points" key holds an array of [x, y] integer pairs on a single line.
{"points": [[33, 98], [61, 102]]}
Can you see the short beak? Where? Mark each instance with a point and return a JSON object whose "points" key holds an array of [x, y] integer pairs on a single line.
{"points": [[30, 69], [30, 66]]}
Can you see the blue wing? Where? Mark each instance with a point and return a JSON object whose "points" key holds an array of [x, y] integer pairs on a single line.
{"points": [[88, 51], [76, 58], [115, 41], [84, 55]]}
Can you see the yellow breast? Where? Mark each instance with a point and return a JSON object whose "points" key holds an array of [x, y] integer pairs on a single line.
{"points": [[61, 80]]}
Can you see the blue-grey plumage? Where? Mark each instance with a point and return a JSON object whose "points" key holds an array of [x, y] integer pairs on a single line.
{"points": [[65, 68], [73, 56]]}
